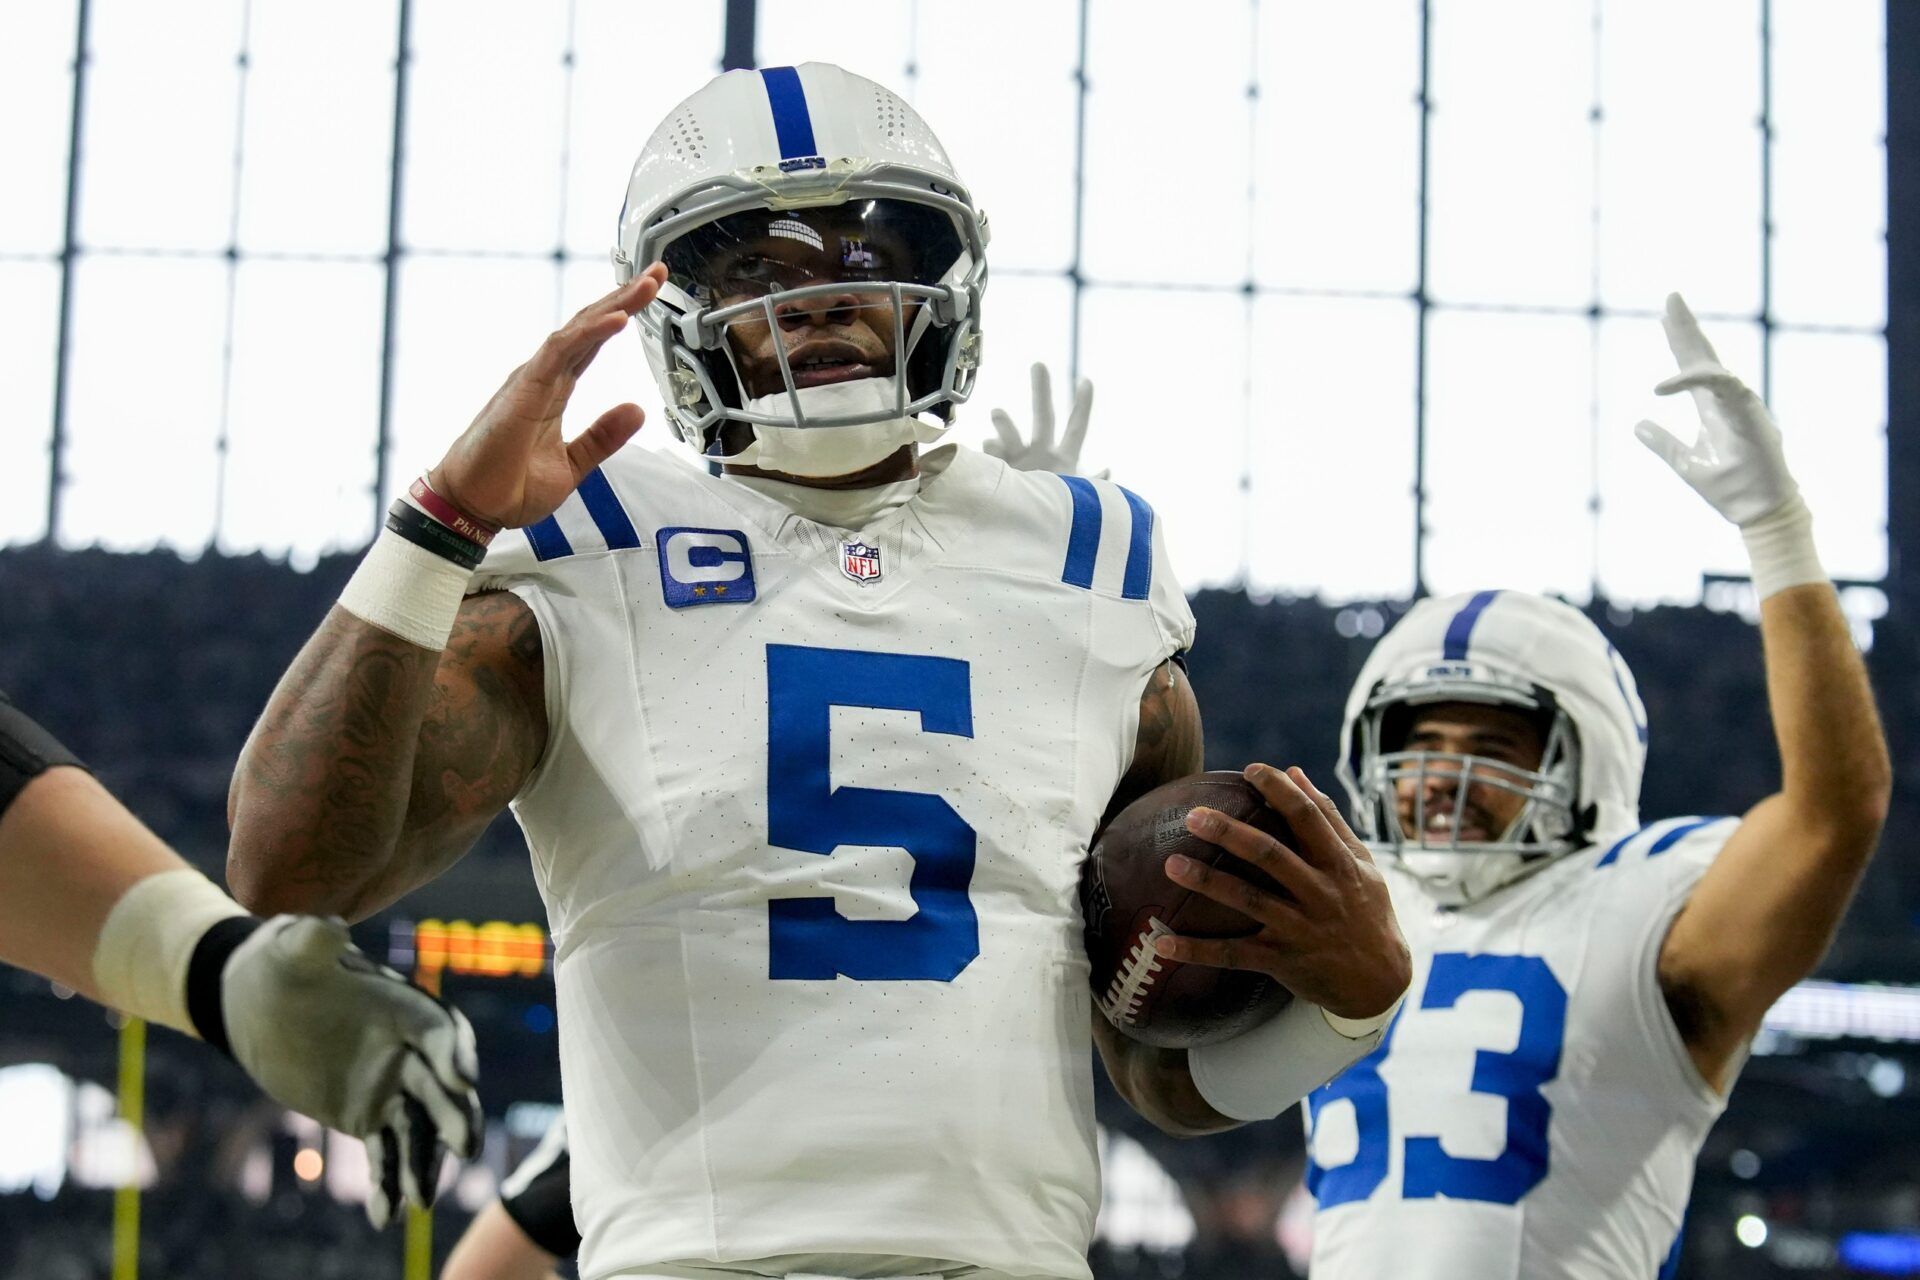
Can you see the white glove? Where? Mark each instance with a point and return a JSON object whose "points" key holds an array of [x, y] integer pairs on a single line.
{"points": [[1041, 455], [1735, 463], [328, 1032]]}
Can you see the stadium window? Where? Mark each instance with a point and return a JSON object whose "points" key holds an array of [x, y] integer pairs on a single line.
{"points": [[144, 391], [1511, 179], [1654, 538], [301, 407], [317, 134], [1509, 426], [1679, 207], [1336, 144], [1203, 264], [1176, 363], [464, 324], [613, 104], [1330, 509], [486, 104], [29, 339]]}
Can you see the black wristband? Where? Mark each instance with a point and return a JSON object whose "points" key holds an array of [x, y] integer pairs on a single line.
{"points": [[26, 751], [423, 531], [204, 972]]}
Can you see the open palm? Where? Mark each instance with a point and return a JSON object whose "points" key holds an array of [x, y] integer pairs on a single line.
{"points": [[513, 466]]}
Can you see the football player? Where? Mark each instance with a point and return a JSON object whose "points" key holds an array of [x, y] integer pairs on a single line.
{"points": [[530, 1227], [93, 900], [807, 753], [1586, 984]]}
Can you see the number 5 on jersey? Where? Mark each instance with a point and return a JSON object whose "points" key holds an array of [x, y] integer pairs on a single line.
{"points": [[810, 939]]}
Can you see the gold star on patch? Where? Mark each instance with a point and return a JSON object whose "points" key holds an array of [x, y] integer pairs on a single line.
{"points": [[719, 591], [699, 591]]}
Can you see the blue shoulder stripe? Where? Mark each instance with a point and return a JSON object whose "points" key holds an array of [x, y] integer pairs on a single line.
{"points": [[1664, 841], [1139, 576], [608, 515], [1083, 540], [1677, 834], [547, 540]]}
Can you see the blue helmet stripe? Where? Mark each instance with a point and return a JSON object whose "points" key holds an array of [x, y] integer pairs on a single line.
{"points": [[1461, 628], [791, 122]]}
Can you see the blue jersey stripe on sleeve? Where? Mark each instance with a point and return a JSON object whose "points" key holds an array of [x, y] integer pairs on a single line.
{"points": [[1083, 539], [1677, 834], [1460, 630], [548, 542], [608, 515], [792, 124], [1139, 575]]}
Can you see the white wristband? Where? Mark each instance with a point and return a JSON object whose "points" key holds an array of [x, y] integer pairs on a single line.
{"points": [[1780, 546], [1258, 1075], [141, 958], [407, 590]]}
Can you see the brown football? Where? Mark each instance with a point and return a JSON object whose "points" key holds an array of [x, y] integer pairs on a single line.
{"points": [[1127, 901]]}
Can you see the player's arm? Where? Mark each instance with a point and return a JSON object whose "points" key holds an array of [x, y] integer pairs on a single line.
{"points": [[378, 761], [1765, 912], [92, 899], [1168, 745], [410, 718], [495, 1247]]}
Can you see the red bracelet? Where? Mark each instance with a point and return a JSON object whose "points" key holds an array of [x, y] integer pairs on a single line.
{"points": [[449, 515]]}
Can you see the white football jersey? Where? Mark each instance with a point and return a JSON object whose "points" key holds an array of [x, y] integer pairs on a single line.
{"points": [[808, 828], [1532, 1113]]}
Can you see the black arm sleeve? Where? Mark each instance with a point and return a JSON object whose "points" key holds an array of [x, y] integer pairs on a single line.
{"points": [[538, 1197], [26, 751]]}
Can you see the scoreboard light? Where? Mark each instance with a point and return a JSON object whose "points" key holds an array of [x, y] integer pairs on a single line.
{"points": [[430, 949]]}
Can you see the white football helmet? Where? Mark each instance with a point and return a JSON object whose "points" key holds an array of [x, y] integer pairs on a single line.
{"points": [[764, 181], [1507, 649]]}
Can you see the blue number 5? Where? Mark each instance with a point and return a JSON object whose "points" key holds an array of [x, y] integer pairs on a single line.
{"points": [[810, 939]]}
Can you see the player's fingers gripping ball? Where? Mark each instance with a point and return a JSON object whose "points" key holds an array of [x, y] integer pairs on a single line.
{"points": [[1129, 901]]}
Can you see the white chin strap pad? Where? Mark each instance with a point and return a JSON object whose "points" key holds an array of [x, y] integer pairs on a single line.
{"points": [[823, 452]]}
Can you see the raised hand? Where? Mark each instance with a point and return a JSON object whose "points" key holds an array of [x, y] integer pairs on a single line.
{"points": [[1041, 454], [1333, 939], [512, 467], [1736, 462]]}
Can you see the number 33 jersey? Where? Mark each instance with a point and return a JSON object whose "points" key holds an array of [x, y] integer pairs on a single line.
{"points": [[1532, 1113], [808, 828]]}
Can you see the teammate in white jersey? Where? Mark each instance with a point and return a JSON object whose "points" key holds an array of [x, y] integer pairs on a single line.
{"points": [[1585, 986], [807, 753]]}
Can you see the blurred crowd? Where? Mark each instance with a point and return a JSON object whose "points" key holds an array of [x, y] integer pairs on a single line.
{"points": [[153, 668]]}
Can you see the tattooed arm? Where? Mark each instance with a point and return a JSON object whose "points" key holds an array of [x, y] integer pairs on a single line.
{"points": [[377, 763], [1156, 1082]]}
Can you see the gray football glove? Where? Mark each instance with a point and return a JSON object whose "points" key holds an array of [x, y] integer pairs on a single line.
{"points": [[351, 1043]]}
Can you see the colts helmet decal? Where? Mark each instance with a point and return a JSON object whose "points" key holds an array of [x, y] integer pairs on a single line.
{"points": [[802, 201], [1505, 649]]}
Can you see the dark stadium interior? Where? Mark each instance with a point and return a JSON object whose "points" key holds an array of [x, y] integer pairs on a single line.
{"points": [[118, 651]]}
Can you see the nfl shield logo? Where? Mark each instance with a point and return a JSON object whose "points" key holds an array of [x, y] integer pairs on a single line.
{"points": [[860, 562]]}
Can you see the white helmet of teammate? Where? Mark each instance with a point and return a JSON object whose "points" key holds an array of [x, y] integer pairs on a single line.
{"points": [[1505, 649], [779, 195]]}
